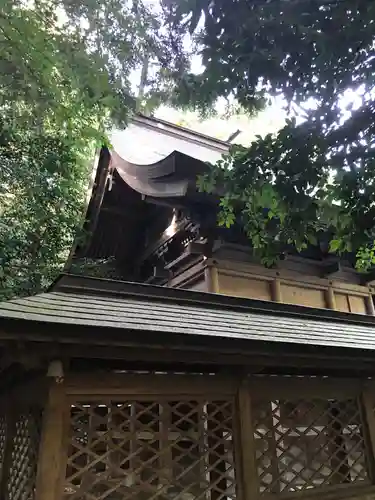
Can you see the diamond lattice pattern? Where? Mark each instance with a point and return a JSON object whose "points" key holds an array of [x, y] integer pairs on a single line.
{"points": [[24, 456], [308, 444], [3, 432], [151, 450]]}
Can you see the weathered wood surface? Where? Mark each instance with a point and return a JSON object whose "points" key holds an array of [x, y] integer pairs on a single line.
{"points": [[52, 446], [145, 315], [253, 281]]}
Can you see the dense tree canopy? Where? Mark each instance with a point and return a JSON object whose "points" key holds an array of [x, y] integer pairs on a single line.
{"points": [[43, 179], [317, 173], [65, 70], [65, 76]]}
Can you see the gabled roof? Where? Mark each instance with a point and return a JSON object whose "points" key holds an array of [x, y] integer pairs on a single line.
{"points": [[130, 307], [181, 132], [170, 177], [121, 211]]}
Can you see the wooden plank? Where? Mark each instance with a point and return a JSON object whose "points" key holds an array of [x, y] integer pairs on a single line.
{"points": [[157, 356], [194, 273], [288, 276], [245, 287], [197, 286], [302, 295], [51, 454], [289, 387], [246, 445], [149, 385], [150, 357], [242, 272], [357, 304], [342, 302]]}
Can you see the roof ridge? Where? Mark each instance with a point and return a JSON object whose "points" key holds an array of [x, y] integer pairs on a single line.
{"points": [[179, 128]]}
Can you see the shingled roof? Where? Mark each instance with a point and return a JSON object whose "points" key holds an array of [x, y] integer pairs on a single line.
{"points": [[122, 306]]}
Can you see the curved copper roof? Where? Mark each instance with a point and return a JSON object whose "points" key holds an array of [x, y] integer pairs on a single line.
{"points": [[170, 177]]}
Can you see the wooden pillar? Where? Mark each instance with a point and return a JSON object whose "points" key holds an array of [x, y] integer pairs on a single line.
{"points": [[330, 298], [166, 459], [249, 474], [368, 419], [370, 305], [276, 290], [211, 277], [52, 453]]}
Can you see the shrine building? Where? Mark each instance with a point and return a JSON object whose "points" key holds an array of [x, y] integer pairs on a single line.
{"points": [[196, 374]]}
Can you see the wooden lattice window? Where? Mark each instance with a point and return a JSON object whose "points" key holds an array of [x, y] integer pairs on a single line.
{"points": [[21, 470], [309, 443], [143, 449]]}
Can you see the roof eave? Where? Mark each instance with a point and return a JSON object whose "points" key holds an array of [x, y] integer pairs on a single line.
{"points": [[75, 283]]}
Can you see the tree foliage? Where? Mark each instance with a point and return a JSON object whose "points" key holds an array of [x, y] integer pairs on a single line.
{"points": [[43, 179], [316, 174], [65, 70]]}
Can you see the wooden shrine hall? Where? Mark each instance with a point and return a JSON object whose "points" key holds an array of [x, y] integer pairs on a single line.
{"points": [[196, 374]]}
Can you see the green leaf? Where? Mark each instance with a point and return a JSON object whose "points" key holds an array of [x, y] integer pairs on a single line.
{"points": [[334, 245]]}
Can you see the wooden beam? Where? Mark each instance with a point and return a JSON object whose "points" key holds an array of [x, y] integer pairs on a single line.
{"points": [[370, 305], [330, 298], [276, 290], [301, 275], [50, 473], [196, 248], [246, 445], [217, 355], [149, 384], [368, 418], [91, 216], [211, 276], [159, 273], [193, 272]]}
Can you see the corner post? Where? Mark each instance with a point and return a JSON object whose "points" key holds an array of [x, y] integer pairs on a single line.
{"points": [[330, 298], [367, 404], [52, 446], [370, 305], [276, 289], [248, 469], [211, 277]]}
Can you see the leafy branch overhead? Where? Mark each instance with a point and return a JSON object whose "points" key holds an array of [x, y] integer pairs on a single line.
{"points": [[59, 50], [316, 174], [65, 71], [65, 78]]}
